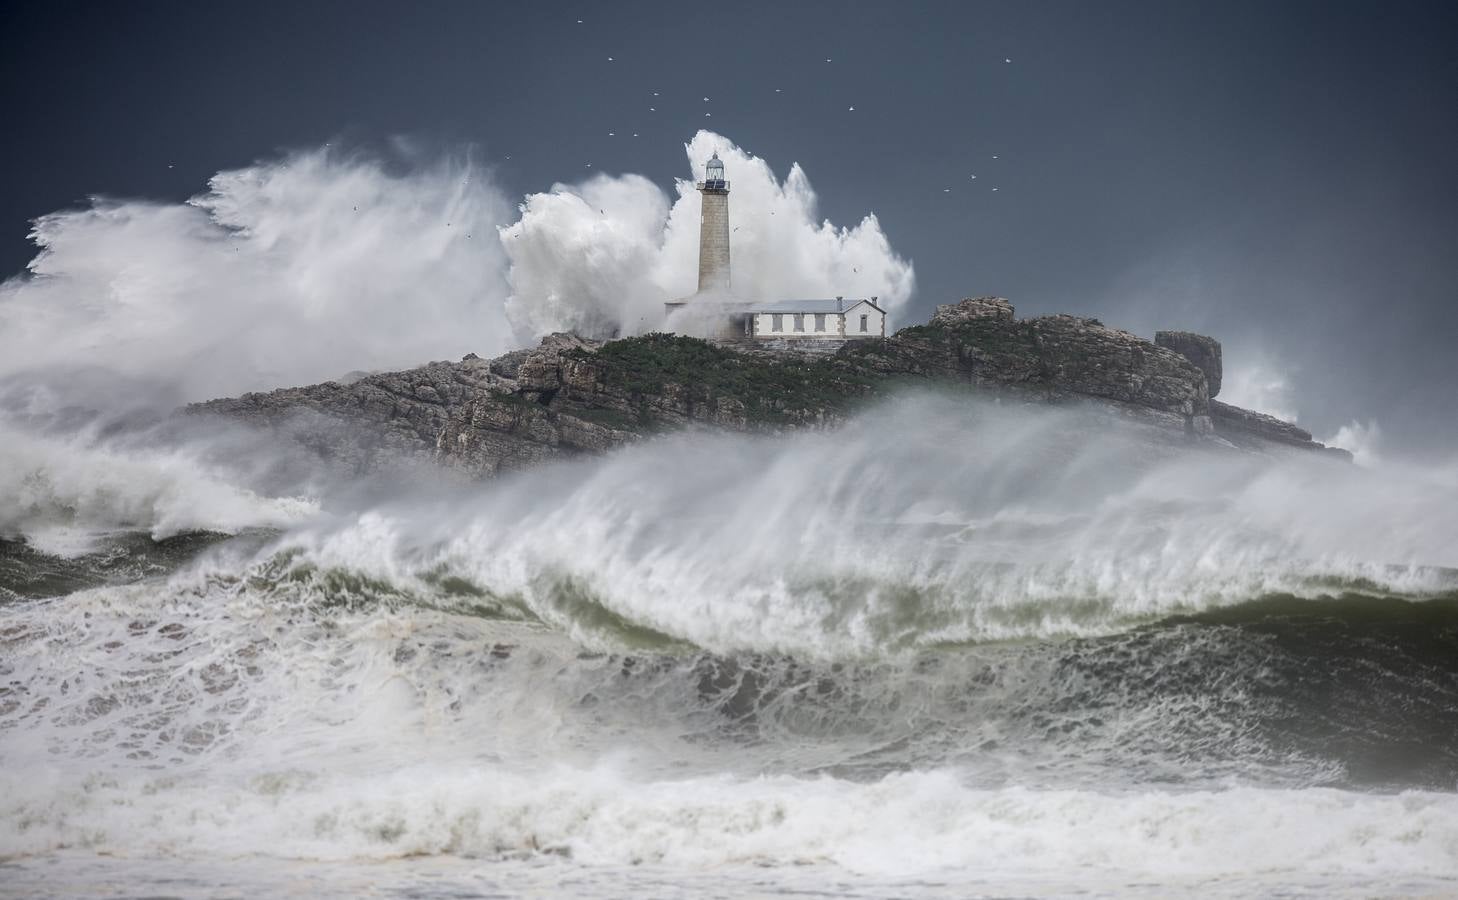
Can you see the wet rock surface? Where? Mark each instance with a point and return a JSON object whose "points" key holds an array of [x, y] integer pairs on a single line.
{"points": [[571, 396], [1203, 351]]}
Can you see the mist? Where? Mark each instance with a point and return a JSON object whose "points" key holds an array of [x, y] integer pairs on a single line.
{"points": [[631, 247], [931, 519], [324, 262]]}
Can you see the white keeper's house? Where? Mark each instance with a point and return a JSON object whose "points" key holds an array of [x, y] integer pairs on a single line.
{"points": [[835, 319], [715, 312]]}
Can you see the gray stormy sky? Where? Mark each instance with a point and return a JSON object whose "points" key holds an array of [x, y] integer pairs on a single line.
{"points": [[1283, 176]]}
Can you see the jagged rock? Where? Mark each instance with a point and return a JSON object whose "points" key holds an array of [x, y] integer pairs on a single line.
{"points": [[571, 396], [1083, 356], [952, 314], [1240, 425], [541, 369], [1059, 355], [1203, 351]]}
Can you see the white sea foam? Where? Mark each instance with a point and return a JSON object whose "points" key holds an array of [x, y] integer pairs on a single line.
{"points": [[215, 723], [602, 256], [933, 521], [62, 494], [285, 708], [921, 823], [304, 268]]}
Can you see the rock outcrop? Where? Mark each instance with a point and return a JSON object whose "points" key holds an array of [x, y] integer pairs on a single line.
{"points": [[1203, 351], [571, 396], [951, 315]]}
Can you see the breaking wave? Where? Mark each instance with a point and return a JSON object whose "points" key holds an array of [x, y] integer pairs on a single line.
{"points": [[950, 638]]}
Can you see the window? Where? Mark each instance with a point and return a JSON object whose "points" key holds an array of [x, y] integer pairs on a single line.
{"points": [[820, 321], [777, 322], [799, 321], [865, 323]]}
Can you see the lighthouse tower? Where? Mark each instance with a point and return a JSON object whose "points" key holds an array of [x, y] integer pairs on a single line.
{"points": [[714, 229]]}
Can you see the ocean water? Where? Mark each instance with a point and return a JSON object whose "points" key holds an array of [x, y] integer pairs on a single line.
{"points": [[950, 650]]}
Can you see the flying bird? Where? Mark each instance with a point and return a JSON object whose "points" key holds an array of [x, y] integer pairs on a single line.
{"points": [[852, 109], [1007, 60]]}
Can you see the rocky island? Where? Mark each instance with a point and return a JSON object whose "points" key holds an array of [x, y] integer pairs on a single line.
{"points": [[571, 395]]}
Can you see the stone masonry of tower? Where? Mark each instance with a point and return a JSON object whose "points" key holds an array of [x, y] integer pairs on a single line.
{"points": [[714, 238]]}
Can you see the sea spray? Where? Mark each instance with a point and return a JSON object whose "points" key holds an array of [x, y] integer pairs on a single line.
{"points": [[951, 637]]}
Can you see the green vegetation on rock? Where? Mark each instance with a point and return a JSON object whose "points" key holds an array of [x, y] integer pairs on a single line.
{"points": [[770, 390]]}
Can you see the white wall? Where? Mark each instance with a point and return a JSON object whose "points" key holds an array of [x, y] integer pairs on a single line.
{"points": [[875, 321], [764, 326], [837, 325]]}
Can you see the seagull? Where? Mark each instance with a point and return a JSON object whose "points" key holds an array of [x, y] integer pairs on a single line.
{"points": [[653, 109], [994, 157], [635, 134], [736, 228], [994, 189], [946, 190], [1007, 60], [655, 93], [852, 109], [706, 99], [579, 21], [706, 115], [169, 165], [611, 134], [610, 59], [973, 177], [777, 90], [827, 59]]}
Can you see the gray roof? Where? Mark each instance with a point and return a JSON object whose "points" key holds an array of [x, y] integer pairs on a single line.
{"points": [[810, 306]]}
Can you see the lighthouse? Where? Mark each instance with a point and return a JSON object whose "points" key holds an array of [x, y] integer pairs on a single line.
{"points": [[718, 315], [714, 229]]}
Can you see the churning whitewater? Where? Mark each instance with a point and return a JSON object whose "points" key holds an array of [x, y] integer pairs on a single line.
{"points": [[954, 646]]}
